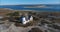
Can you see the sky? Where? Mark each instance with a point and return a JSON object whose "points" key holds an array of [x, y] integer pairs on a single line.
{"points": [[18, 2]]}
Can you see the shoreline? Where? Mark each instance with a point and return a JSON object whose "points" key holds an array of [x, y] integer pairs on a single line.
{"points": [[26, 10]]}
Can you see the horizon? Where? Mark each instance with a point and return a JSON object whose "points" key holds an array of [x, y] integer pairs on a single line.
{"points": [[28, 2], [32, 4]]}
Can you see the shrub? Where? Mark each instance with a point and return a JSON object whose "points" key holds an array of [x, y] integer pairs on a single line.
{"points": [[35, 30]]}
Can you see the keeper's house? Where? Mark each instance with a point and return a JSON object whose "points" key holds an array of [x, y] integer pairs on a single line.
{"points": [[26, 19]]}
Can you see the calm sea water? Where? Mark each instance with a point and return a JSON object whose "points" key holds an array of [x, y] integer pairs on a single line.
{"points": [[23, 7]]}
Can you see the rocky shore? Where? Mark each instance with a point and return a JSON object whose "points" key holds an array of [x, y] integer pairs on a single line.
{"points": [[43, 21]]}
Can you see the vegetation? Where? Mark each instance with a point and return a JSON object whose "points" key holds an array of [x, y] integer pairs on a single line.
{"points": [[13, 14], [18, 24], [35, 30]]}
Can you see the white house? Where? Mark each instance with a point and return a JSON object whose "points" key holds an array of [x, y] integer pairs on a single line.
{"points": [[25, 19]]}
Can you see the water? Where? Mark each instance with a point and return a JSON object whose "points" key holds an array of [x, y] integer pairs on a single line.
{"points": [[22, 7]]}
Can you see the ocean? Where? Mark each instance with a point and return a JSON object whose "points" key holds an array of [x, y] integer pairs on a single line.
{"points": [[44, 7]]}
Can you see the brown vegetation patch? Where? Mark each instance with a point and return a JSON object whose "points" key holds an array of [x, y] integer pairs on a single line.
{"points": [[35, 30]]}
